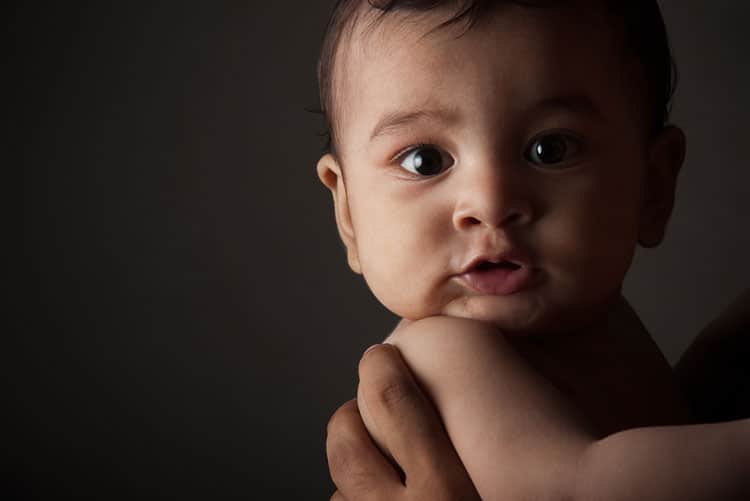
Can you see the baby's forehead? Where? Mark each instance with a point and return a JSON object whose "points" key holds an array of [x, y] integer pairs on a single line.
{"points": [[383, 56], [377, 47], [373, 33]]}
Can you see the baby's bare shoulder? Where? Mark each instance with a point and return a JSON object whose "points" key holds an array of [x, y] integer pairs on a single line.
{"points": [[442, 331], [433, 345]]}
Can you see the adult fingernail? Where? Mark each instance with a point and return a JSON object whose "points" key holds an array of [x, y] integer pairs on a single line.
{"points": [[368, 350]]}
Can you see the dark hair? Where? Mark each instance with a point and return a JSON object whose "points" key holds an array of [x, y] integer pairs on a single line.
{"points": [[645, 32]]}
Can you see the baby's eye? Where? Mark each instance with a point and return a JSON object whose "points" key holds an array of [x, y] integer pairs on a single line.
{"points": [[426, 160], [552, 149]]}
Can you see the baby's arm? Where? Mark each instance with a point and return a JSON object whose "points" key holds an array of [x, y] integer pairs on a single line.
{"points": [[696, 462], [520, 439]]}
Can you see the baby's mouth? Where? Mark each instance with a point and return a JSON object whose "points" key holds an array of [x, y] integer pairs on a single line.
{"points": [[489, 265], [500, 278]]}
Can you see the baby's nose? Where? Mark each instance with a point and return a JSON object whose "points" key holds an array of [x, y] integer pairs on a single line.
{"points": [[493, 198]]}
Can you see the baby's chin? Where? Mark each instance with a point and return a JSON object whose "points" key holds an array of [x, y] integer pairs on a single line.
{"points": [[515, 314]]}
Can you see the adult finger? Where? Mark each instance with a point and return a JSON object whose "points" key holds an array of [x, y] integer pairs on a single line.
{"points": [[356, 465], [408, 423]]}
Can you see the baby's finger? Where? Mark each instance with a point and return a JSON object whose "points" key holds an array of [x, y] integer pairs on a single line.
{"points": [[357, 467], [409, 425]]}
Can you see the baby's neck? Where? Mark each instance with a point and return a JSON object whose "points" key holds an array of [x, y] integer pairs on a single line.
{"points": [[612, 371]]}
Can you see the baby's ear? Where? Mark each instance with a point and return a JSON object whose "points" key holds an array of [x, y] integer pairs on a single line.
{"points": [[331, 175], [665, 157]]}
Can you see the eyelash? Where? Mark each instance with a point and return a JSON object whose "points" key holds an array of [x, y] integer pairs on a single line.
{"points": [[399, 157], [427, 142], [568, 135]]}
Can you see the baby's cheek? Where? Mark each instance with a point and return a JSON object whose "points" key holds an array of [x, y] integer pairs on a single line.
{"points": [[399, 276], [402, 297]]}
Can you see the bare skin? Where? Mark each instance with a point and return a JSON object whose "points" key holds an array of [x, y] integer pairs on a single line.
{"points": [[530, 415], [399, 399], [596, 365], [599, 367]]}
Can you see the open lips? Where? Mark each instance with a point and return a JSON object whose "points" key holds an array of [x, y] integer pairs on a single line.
{"points": [[489, 265], [497, 278]]}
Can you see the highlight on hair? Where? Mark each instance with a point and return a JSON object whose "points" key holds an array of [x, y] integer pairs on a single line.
{"points": [[645, 34]]}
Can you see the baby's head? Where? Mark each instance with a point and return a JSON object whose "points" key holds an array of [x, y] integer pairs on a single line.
{"points": [[498, 160]]}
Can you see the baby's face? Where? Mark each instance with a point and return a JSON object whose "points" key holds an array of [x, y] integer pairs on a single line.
{"points": [[521, 141]]}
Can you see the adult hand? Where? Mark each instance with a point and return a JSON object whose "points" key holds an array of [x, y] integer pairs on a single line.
{"points": [[412, 432]]}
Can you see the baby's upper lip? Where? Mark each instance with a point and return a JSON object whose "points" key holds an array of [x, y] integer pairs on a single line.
{"points": [[514, 256]]}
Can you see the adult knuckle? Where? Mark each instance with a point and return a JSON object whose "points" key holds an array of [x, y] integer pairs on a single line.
{"points": [[338, 415], [392, 393], [343, 450], [340, 452], [341, 420], [347, 471], [382, 376]]}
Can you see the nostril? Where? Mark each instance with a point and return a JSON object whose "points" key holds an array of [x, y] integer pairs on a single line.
{"points": [[514, 218]]}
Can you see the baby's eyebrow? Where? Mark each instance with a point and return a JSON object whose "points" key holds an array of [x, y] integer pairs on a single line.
{"points": [[395, 120], [577, 104]]}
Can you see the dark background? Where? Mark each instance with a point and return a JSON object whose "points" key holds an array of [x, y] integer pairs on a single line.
{"points": [[186, 322]]}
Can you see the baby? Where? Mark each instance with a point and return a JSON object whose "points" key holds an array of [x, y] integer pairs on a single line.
{"points": [[493, 166]]}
